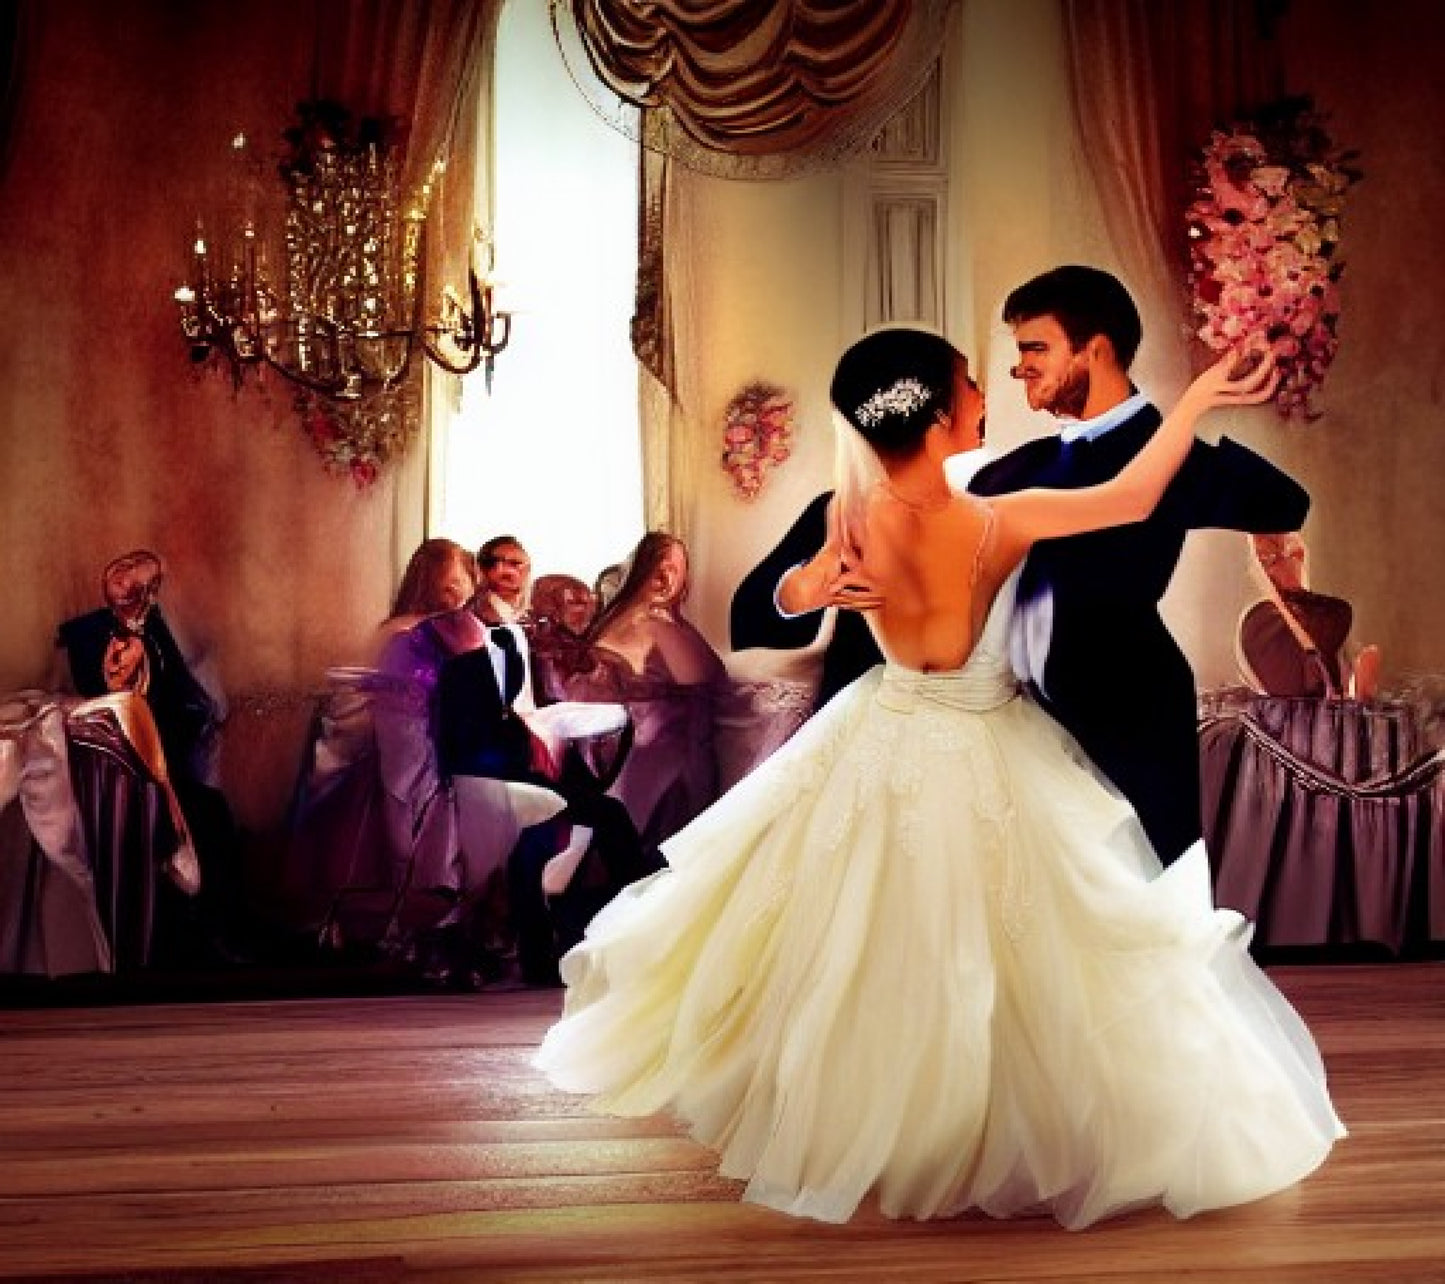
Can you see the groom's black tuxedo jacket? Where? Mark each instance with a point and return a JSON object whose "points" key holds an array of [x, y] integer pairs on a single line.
{"points": [[753, 619], [1115, 678]]}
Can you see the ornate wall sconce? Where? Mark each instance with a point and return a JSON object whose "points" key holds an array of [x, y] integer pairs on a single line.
{"points": [[343, 319]]}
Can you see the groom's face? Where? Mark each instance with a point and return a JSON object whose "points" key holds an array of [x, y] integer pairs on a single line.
{"points": [[1054, 375]]}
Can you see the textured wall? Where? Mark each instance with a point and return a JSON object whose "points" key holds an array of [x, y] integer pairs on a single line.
{"points": [[108, 438], [1376, 461]]}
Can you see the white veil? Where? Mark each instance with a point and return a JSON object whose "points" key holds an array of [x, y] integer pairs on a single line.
{"points": [[856, 470]]}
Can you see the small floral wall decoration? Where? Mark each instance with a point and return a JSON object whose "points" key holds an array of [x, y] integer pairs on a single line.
{"points": [[758, 432], [359, 440], [1264, 233]]}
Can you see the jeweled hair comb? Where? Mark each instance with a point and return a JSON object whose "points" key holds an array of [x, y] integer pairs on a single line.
{"points": [[902, 397]]}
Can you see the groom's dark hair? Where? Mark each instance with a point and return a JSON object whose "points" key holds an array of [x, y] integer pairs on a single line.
{"points": [[1084, 301]]}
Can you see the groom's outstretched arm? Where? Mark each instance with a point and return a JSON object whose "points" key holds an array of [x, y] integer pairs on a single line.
{"points": [[754, 619], [1230, 487]]}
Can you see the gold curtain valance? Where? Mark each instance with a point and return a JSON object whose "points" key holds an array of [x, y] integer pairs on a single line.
{"points": [[758, 88]]}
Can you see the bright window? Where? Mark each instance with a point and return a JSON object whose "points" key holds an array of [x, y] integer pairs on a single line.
{"points": [[552, 453]]}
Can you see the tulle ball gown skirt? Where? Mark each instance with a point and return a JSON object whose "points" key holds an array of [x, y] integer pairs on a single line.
{"points": [[923, 953]]}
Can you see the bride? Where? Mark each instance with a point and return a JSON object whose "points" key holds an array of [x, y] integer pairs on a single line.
{"points": [[925, 951]]}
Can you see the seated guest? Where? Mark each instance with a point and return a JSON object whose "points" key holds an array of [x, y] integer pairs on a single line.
{"points": [[1292, 642], [564, 600], [441, 576], [525, 805], [372, 813], [648, 657], [604, 587], [480, 694], [562, 611], [506, 570], [128, 646]]}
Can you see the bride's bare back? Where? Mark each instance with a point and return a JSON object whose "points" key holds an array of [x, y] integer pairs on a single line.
{"points": [[938, 570]]}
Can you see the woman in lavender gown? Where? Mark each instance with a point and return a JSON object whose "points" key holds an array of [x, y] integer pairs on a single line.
{"points": [[643, 653]]}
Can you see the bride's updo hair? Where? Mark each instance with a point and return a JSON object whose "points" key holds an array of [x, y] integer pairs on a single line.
{"points": [[892, 384]]}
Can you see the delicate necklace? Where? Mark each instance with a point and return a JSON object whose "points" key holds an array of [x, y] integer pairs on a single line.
{"points": [[937, 504]]}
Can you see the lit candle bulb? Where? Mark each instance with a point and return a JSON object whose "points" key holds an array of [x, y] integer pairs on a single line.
{"points": [[185, 295]]}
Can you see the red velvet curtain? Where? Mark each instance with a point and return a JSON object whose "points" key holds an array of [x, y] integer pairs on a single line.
{"points": [[1150, 81], [110, 439]]}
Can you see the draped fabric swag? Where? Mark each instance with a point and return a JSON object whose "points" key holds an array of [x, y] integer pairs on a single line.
{"points": [[795, 79], [652, 336], [740, 89]]}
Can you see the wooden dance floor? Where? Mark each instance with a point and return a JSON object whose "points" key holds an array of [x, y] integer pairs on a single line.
{"points": [[408, 1138]]}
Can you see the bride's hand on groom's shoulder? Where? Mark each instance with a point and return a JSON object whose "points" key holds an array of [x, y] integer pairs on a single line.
{"points": [[826, 580], [853, 591]]}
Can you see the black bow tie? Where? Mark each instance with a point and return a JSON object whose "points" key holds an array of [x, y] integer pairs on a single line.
{"points": [[506, 642]]}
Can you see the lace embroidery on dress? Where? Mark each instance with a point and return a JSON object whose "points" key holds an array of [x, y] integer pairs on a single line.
{"points": [[1010, 880], [777, 696]]}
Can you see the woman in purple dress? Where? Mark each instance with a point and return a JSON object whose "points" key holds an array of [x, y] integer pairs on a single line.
{"points": [[644, 654]]}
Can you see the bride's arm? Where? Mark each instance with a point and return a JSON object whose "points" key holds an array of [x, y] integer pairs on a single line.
{"points": [[828, 578], [1040, 513]]}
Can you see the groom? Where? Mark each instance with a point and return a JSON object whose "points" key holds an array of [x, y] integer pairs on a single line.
{"points": [[1087, 636]]}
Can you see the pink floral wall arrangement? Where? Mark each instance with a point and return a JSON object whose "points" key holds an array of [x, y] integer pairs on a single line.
{"points": [[1264, 238], [758, 428]]}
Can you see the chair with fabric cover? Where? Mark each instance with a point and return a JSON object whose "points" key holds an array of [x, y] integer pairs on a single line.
{"points": [[373, 834], [93, 839], [141, 855], [50, 924], [383, 847], [767, 696]]}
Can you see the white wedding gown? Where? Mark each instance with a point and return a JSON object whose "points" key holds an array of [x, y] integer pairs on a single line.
{"points": [[923, 951]]}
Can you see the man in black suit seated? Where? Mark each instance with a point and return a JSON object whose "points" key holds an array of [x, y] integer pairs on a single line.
{"points": [[481, 698], [127, 645], [1087, 634]]}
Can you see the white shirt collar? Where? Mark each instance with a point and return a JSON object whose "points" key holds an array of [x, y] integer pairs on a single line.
{"points": [[524, 703], [1071, 430], [506, 612]]}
